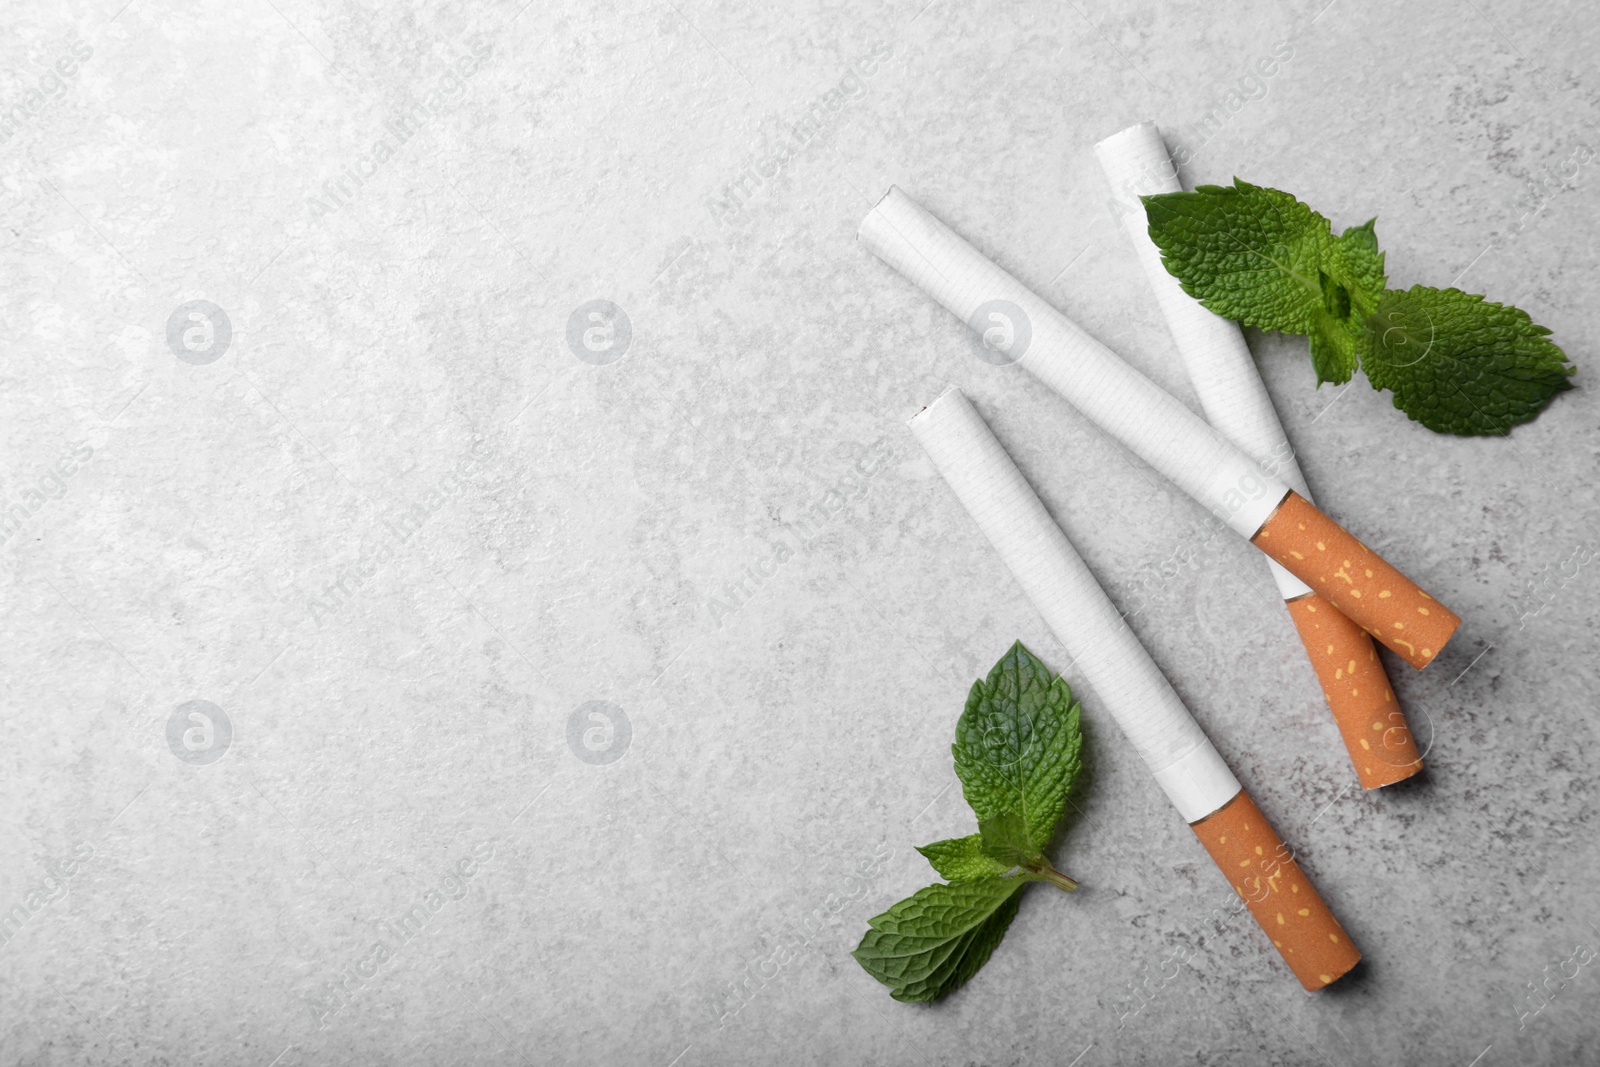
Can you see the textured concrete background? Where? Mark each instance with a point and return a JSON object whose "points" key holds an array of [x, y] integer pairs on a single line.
{"points": [[373, 509]]}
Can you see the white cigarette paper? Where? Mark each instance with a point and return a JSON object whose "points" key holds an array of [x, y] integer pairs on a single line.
{"points": [[1219, 364], [1149, 421], [1108, 657]]}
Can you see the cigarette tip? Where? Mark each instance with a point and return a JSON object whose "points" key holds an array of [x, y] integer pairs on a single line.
{"points": [[949, 389], [1147, 124], [861, 230]]}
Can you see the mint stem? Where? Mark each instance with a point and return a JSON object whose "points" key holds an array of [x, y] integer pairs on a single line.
{"points": [[1045, 872]]}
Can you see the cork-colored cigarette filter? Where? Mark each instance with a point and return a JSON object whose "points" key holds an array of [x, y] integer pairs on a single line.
{"points": [[1262, 870], [1358, 693], [1356, 580]]}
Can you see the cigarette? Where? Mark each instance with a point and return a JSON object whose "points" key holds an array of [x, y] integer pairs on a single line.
{"points": [[1157, 427], [1236, 403], [1112, 670]]}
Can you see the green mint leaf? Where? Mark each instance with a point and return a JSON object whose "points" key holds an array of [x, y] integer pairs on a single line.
{"points": [[1335, 297], [1017, 749], [1460, 364], [1358, 263], [1246, 252], [1335, 348], [963, 859], [1261, 257], [932, 943], [1006, 837]]}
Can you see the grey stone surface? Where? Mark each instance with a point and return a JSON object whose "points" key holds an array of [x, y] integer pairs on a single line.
{"points": [[407, 700]]}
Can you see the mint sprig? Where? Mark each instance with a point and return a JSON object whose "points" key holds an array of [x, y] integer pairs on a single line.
{"points": [[1455, 362], [1017, 750]]}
